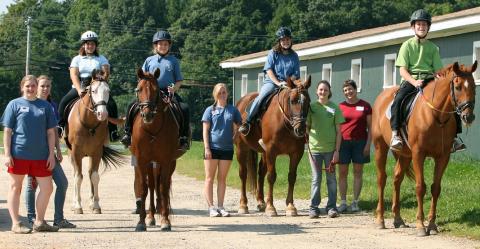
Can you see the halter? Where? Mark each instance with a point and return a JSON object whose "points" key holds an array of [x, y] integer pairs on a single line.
{"points": [[297, 117]]}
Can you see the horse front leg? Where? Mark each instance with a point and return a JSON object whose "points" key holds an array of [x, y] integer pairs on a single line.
{"points": [[243, 158], [141, 192], [418, 163], [151, 181], [440, 166], [94, 183], [403, 163], [381, 152], [292, 178], [77, 183], [166, 172], [271, 177], [262, 171]]}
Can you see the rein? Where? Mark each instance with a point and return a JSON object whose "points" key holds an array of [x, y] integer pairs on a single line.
{"points": [[94, 105], [296, 118]]}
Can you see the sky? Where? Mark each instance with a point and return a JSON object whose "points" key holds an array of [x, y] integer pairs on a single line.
{"points": [[4, 4]]}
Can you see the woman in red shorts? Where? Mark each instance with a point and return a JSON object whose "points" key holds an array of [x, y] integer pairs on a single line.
{"points": [[29, 141]]}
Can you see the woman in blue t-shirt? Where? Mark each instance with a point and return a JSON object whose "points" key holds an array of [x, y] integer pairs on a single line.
{"points": [[218, 120], [282, 62]]}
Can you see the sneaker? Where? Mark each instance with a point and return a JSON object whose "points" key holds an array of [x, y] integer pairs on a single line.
{"points": [[64, 224], [44, 227], [332, 213], [342, 208], [21, 228], [114, 136], [458, 145], [244, 129], [314, 213], [213, 212], [355, 207], [223, 212], [396, 144], [126, 140]]}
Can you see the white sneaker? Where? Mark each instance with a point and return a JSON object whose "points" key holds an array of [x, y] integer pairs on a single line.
{"points": [[354, 207], [342, 208], [213, 212], [396, 144], [223, 212]]}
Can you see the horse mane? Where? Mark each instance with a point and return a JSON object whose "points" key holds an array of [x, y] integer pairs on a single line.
{"points": [[445, 70]]}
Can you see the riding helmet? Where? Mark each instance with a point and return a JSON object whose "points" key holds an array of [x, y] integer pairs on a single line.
{"points": [[89, 36], [283, 32], [161, 35], [420, 15]]}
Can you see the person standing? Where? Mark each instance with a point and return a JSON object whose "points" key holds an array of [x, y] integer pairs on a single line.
{"points": [[324, 138], [218, 120], [44, 88], [29, 141], [356, 141]]}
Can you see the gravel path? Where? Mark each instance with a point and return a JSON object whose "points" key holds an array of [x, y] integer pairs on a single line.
{"points": [[191, 228]]}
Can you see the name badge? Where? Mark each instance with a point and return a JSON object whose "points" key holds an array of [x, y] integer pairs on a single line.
{"points": [[330, 109], [24, 109], [360, 108]]}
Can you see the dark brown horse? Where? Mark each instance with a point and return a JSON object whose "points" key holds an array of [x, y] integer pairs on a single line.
{"points": [[431, 130], [154, 140], [87, 134], [282, 130]]}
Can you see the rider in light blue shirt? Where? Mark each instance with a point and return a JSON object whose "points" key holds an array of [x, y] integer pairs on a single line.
{"points": [[282, 62], [169, 69]]}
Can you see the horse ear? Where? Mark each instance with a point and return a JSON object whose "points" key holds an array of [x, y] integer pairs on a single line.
{"points": [[474, 66], [456, 68], [140, 73], [308, 82], [290, 83], [156, 73]]}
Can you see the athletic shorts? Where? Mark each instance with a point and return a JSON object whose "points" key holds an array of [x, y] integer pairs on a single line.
{"points": [[221, 154], [29, 167], [351, 151]]}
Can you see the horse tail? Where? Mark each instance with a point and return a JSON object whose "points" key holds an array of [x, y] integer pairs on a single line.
{"points": [[111, 157], [252, 171]]}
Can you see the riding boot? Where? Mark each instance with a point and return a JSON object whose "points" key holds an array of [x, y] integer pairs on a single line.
{"points": [[184, 139], [458, 144], [112, 112], [132, 111]]}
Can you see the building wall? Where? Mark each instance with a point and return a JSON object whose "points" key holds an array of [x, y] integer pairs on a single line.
{"points": [[453, 48]]}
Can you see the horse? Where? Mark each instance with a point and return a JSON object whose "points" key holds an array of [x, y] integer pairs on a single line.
{"points": [[154, 140], [282, 130], [431, 130], [87, 134]]}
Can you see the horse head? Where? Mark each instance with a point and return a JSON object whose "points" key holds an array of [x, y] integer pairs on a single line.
{"points": [[463, 87], [299, 104], [99, 94], [147, 92]]}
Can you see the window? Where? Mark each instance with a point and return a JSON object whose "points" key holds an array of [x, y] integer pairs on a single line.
{"points": [[303, 73], [260, 81], [356, 73], [244, 89], [327, 72], [389, 71], [476, 57]]}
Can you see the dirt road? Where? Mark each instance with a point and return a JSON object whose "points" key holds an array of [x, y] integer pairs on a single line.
{"points": [[191, 228]]}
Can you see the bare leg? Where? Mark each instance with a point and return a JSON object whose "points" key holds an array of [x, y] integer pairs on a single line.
{"points": [[210, 171], [223, 168], [357, 180], [46, 189], [13, 201], [342, 181]]}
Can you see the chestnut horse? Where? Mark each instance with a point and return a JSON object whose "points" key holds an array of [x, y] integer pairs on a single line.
{"points": [[154, 140], [87, 133], [431, 130], [282, 130]]}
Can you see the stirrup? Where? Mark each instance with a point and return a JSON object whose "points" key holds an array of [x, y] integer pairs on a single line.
{"points": [[60, 131], [458, 145], [126, 140], [396, 144]]}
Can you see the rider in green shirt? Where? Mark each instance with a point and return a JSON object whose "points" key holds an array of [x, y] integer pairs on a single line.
{"points": [[417, 59]]}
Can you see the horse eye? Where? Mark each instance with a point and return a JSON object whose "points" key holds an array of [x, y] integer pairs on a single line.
{"points": [[458, 87], [136, 90]]}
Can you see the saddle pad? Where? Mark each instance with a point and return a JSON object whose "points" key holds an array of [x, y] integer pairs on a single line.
{"points": [[388, 111]]}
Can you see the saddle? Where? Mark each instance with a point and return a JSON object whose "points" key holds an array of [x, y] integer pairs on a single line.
{"points": [[263, 105]]}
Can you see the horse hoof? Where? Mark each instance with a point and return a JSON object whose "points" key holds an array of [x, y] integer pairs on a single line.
{"points": [[380, 225], [97, 211], [243, 210], [166, 228], [271, 212], [78, 211], [141, 227], [432, 230], [291, 211], [150, 222], [261, 207], [421, 232], [399, 224]]}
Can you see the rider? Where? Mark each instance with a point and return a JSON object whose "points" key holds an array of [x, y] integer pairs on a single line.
{"points": [[81, 69], [282, 62], [170, 80], [418, 59]]}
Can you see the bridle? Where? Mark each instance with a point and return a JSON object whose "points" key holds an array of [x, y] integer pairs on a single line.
{"points": [[293, 119], [92, 107]]}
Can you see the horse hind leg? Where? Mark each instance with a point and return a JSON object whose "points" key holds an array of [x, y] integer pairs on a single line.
{"points": [[403, 163], [440, 166]]}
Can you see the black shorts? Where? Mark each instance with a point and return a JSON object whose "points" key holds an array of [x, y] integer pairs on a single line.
{"points": [[221, 154]]}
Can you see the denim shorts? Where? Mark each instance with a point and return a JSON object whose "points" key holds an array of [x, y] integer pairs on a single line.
{"points": [[351, 151], [221, 154]]}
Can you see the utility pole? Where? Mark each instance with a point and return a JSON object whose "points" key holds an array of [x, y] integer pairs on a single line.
{"points": [[27, 60]]}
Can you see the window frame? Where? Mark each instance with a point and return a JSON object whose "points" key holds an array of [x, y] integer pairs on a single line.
{"points": [[244, 85], [476, 57], [354, 63], [393, 73], [260, 78], [327, 67]]}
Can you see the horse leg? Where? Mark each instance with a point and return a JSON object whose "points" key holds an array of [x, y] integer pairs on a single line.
{"points": [[292, 178], [94, 182], [141, 190], [77, 179], [165, 183], [399, 173], [418, 164], [440, 166], [381, 152], [243, 158], [262, 171], [150, 219], [271, 177]]}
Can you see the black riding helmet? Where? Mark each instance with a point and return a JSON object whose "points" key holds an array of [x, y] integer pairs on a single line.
{"points": [[420, 15], [162, 35], [283, 32]]}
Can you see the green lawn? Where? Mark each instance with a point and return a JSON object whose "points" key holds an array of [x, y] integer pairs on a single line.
{"points": [[458, 211]]}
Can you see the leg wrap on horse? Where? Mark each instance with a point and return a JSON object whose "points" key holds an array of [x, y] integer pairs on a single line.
{"points": [[403, 91]]}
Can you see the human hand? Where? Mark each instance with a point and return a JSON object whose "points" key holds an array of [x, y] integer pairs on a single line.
{"points": [[418, 83], [282, 84], [171, 88], [9, 161], [51, 162], [59, 156], [208, 153], [366, 151]]}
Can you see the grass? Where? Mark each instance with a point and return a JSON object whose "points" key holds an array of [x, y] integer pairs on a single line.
{"points": [[458, 209]]}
